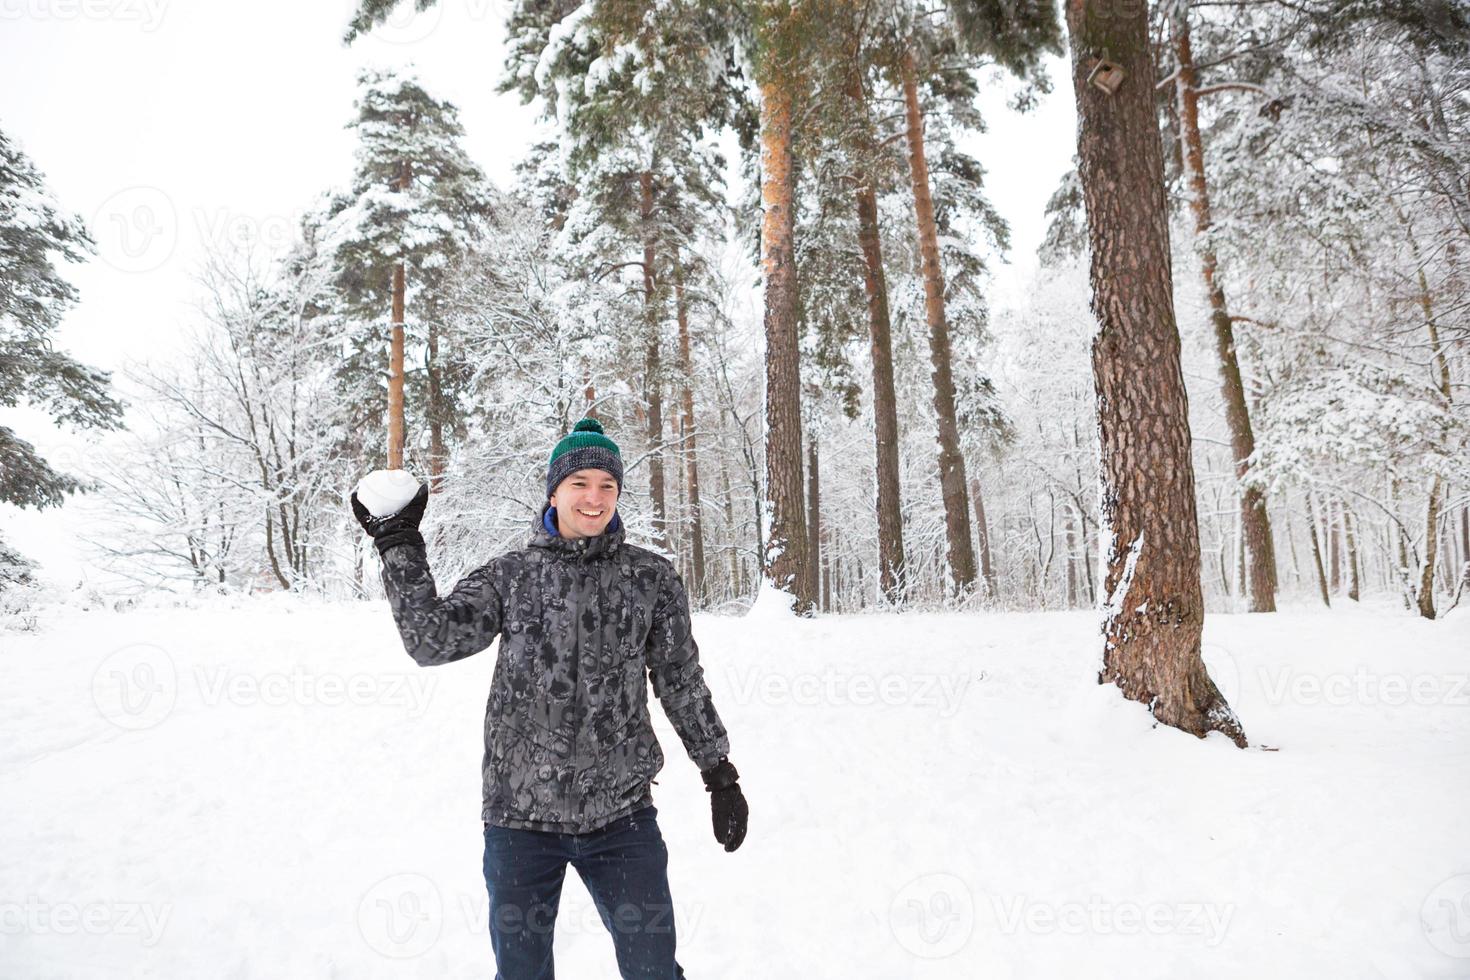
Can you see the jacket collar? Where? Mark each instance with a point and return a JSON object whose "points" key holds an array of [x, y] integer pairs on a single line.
{"points": [[544, 535]]}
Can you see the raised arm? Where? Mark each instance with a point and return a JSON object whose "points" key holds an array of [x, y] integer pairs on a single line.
{"points": [[439, 630], [435, 630]]}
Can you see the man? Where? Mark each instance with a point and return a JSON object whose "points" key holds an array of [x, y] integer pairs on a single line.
{"points": [[585, 619]]}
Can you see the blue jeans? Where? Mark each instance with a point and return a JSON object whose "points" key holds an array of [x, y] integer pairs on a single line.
{"points": [[625, 868]]}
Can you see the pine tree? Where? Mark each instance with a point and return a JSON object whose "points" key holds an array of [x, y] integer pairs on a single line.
{"points": [[34, 231], [1154, 611], [1349, 262], [940, 49], [416, 202], [782, 36], [1255, 521], [632, 87], [865, 167]]}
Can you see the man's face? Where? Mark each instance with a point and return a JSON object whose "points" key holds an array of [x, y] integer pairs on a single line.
{"points": [[584, 503]]}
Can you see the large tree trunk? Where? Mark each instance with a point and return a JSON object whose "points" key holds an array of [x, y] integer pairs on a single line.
{"points": [[652, 368], [1255, 523], [951, 459], [785, 558], [885, 403], [1154, 607], [395, 355], [687, 437]]}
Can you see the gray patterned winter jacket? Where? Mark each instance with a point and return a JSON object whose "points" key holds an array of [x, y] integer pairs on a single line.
{"points": [[569, 746]]}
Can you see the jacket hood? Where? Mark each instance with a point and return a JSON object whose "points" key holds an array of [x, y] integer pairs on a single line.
{"points": [[544, 535]]}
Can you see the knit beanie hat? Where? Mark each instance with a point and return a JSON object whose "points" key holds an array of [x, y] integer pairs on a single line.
{"points": [[586, 447]]}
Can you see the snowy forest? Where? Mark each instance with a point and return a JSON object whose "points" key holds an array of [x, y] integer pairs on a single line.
{"points": [[756, 241], [884, 436]]}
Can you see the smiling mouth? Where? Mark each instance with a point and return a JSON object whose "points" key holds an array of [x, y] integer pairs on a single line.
{"points": [[586, 514]]}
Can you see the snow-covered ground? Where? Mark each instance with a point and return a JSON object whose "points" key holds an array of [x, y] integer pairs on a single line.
{"points": [[276, 791]]}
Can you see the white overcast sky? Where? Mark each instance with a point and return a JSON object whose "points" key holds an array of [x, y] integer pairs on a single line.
{"points": [[170, 124]]}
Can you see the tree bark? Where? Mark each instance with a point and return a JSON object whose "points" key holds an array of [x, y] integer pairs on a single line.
{"points": [[1255, 522], [1317, 551], [987, 568], [952, 480], [395, 354], [652, 367], [688, 439], [785, 560], [735, 585], [1334, 546], [1154, 606], [1464, 550], [1296, 571], [885, 403], [1436, 487], [437, 453], [813, 508], [1350, 536], [1069, 534]]}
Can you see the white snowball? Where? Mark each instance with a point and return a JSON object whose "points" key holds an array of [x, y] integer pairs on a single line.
{"points": [[385, 492]]}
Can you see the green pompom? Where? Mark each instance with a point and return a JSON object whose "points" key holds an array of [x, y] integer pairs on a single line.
{"points": [[588, 425]]}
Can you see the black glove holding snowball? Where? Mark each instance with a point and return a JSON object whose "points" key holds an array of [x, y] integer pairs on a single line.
{"points": [[395, 529]]}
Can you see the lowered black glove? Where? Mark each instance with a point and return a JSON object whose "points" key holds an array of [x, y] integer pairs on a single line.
{"points": [[395, 529], [727, 804]]}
